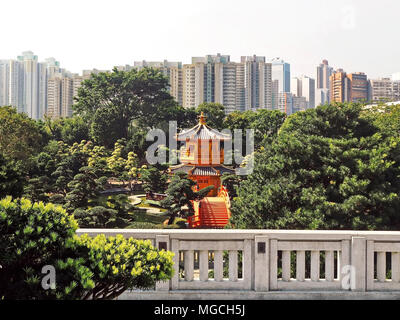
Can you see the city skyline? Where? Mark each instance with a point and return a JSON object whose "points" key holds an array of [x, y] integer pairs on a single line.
{"points": [[350, 34], [313, 73], [38, 88]]}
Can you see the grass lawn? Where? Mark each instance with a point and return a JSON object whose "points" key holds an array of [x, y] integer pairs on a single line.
{"points": [[146, 219], [156, 218]]}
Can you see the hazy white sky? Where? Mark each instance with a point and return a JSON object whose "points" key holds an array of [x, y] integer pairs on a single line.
{"points": [[357, 35]]}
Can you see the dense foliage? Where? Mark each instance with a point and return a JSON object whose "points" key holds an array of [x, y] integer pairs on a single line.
{"points": [[110, 101], [34, 235], [10, 178], [20, 136], [154, 180], [329, 168], [265, 124]]}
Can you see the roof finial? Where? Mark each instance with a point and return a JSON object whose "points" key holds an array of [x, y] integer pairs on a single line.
{"points": [[202, 118]]}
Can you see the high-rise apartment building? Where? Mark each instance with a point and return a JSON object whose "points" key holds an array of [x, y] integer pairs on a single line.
{"points": [[67, 96], [240, 89], [275, 94], [189, 86], [228, 85], [257, 83], [384, 89], [53, 66], [42, 88], [308, 90], [176, 83], [239, 86], [3, 82], [60, 93], [281, 72], [39, 88], [210, 79], [339, 87], [324, 71], [54, 97], [31, 72], [15, 84]]}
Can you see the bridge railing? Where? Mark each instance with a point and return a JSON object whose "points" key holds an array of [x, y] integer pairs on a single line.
{"points": [[275, 260]]}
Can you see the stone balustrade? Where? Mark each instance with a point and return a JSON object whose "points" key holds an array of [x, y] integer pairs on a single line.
{"points": [[269, 264]]}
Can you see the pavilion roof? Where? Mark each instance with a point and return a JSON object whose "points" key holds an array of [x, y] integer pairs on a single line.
{"points": [[201, 170], [202, 132]]}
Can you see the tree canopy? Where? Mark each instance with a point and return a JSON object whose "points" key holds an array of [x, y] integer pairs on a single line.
{"points": [[20, 136], [329, 168], [110, 101]]}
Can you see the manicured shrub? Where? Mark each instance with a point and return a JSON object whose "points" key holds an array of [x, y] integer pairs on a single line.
{"points": [[34, 235]]}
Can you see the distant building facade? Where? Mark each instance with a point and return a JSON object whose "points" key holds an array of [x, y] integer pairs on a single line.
{"points": [[321, 97], [384, 89], [352, 87], [257, 82], [299, 104], [304, 87], [339, 87], [358, 86], [324, 71], [285, 102]]}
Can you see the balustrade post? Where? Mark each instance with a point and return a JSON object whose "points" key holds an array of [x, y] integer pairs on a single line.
{"points": [[273, 264], [247, 264], [175, 277], [261, 266], [162, 242], [359, 262]]}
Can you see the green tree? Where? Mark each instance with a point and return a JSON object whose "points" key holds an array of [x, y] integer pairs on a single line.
{"points": [[68, 130], [265, 124], [74, 129], [328, 168], [106, 126], [41, 183], [180, 193], [387, 118], [106, 212], [34, 235], [153, 180], [112, 100], [71, 160], [20, 136], [85, 188], [11, 179]]}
